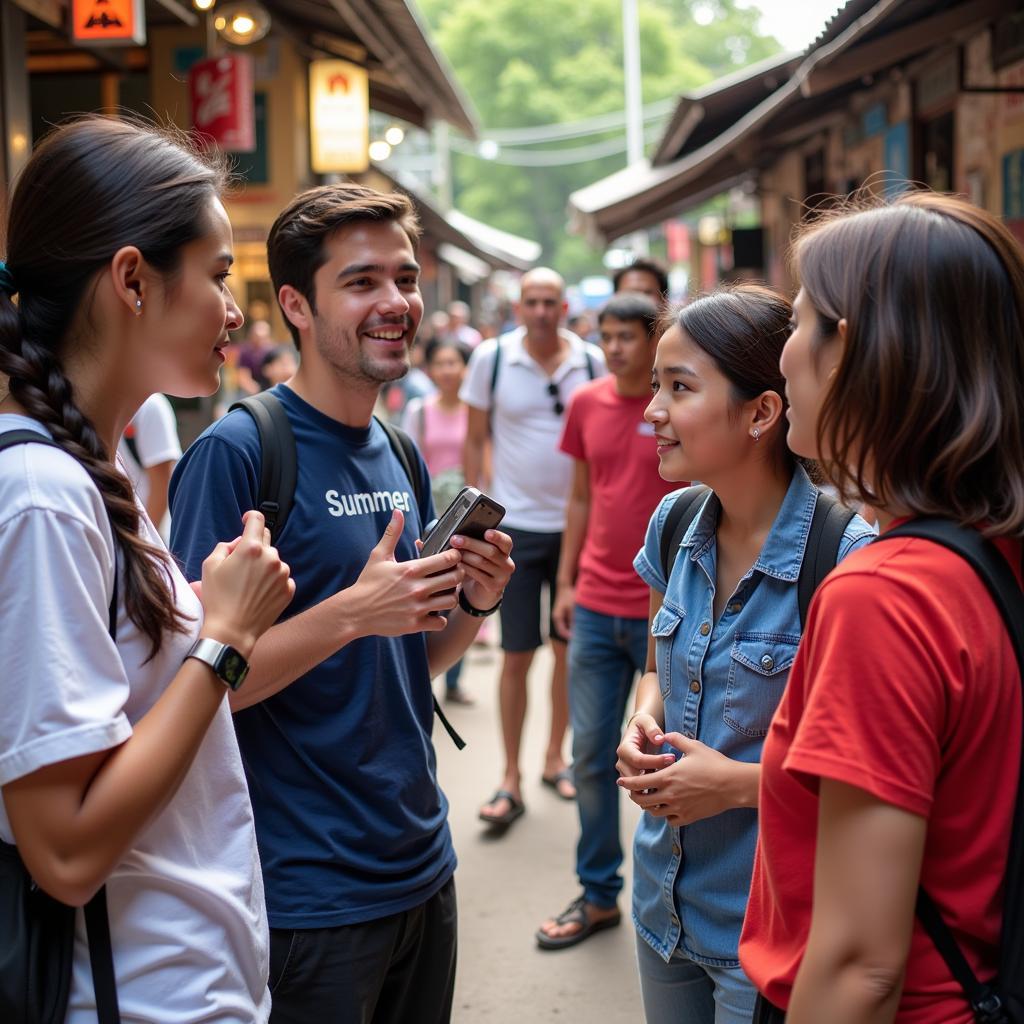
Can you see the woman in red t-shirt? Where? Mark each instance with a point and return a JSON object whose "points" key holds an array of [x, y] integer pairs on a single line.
{"points": [[893, 758]]}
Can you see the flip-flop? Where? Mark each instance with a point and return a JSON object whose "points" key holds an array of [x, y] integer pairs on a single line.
{"points": [[576, 913], [516, 809], [565, 775]]}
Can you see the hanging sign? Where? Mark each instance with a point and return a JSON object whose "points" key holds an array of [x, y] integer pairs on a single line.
{"points": [[339, 116], [221, 92], [108, 22]]}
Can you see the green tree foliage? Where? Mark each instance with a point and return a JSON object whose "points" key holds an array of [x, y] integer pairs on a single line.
{"points": [[542, 62]]}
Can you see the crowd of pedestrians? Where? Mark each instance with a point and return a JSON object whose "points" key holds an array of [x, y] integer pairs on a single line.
{"points": [[223, 746]]}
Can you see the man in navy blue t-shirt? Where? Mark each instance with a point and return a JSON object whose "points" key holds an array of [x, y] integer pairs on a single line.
{"points": [[335, 717]]}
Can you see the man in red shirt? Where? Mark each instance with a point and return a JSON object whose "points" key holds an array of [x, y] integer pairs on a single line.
{"points": [[601, 603]]}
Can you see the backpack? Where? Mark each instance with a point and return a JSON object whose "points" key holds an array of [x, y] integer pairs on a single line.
{"points": [[278, 474], [1002, 1002], [828, 524], [35, 966]]}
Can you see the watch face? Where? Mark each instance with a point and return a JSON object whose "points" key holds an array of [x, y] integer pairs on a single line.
{"points": [[233, 668]]}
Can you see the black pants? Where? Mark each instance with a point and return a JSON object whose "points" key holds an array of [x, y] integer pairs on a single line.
{"points": [[766, 1013], [396, 970]]}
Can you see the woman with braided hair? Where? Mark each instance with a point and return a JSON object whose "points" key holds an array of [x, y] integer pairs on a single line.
{"points": [[118, 762]]}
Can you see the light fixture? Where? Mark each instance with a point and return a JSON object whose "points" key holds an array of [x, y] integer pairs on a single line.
{"points": [[394, 135], [243, 22], [203, 5], [379, 150]]}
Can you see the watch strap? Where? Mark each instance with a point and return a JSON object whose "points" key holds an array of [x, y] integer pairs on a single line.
{"points": [[228, 665], [477, 613]]}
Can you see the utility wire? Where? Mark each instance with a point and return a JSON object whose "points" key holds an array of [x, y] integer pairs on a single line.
{"points": [[576, 129], [553, 157]]}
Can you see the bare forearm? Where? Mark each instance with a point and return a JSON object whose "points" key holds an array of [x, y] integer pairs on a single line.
{"points": [[451, 643], [473, 461], [576, 517], [648, 698], [296, 646], [848, 993], [130, 787]]}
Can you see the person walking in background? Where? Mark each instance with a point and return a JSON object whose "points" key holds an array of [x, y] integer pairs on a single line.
{"points": [[437, 423], [725, 622], [893, 763], [149, 450], [336, 727], [259, 341], [516, 388], [459, 327], [119, 768], [646, 276], [601, 604], [278, 366]]}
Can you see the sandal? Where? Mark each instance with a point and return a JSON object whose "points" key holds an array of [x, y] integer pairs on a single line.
{"points": [[554, 781], [516, 809], [576, 913]]}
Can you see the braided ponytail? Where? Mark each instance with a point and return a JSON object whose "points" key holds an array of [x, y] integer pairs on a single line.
{"points": [[92, 187]]}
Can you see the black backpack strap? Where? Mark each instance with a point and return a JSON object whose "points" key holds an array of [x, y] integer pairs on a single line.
{"points": [[10, 438], [405, 451], [278, 462], [97, 924], [828, 524], [683, 511], [993, 570], [494, 369], [494, 380], [590, 362], [986, 1005]]}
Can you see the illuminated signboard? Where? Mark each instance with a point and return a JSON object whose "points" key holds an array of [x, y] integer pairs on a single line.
{"points": [[108, 22], [339, 116]]}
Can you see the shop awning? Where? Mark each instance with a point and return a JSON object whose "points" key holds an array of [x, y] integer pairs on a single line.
{"points": [[409, 78], [861, 39]]}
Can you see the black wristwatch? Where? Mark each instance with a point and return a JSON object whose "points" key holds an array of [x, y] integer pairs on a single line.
{"points": [[230, 667], [476, 612]]}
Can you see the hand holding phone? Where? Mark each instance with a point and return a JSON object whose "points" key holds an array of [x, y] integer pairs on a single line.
{"points": [[471, 514]]}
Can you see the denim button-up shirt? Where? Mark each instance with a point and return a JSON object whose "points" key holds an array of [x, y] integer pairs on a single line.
{"points": [[720, 682]]}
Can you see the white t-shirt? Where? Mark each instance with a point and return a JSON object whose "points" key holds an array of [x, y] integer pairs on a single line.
{"points": [[531, 476], [154, 432], [187, 918]]}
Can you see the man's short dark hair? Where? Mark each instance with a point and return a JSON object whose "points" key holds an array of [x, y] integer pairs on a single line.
{"points": [[631, 306], [295, 246], [649, 266]]}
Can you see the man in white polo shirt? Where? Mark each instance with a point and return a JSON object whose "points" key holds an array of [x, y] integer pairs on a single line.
{"points": [[517, 387]]}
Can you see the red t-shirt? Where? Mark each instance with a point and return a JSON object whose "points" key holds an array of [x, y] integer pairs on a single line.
{"points": [[609, 433], [906, 686]]}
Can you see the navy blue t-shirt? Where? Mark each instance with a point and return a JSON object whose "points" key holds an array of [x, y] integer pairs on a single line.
{"points": [[350, 820]]}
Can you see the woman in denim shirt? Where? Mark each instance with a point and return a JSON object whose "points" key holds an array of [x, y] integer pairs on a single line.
{"points": [[725, 629]]}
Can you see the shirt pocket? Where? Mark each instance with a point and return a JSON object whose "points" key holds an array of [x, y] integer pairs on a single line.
{"points": [[758, 670], [664, 628]]}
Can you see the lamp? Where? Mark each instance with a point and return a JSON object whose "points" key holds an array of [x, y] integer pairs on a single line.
{"points": [[203, 5], [243, 22]]}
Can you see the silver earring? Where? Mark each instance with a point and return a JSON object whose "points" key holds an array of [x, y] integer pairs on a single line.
{"points": [[757, 433], [138, 307]]}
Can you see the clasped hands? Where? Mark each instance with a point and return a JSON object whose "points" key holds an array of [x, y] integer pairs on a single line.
{"points": [[682, 789]]}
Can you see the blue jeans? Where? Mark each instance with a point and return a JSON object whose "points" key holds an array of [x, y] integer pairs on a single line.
{"points": [[684, 991], [605, 654]]}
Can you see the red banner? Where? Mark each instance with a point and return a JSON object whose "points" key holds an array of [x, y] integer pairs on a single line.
{"points": [[221, 91]]}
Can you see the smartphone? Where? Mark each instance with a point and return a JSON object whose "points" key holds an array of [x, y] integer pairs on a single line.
{"points": [[471, 514]]}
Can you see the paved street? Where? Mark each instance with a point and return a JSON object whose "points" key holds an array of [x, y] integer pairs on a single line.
{"points": [[508, 885]]}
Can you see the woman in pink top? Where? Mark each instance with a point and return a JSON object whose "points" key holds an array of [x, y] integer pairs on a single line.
{"points": [[438, 425]]}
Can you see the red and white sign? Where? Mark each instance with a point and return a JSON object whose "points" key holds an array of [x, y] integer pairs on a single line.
{"points": [[221, 91]]}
